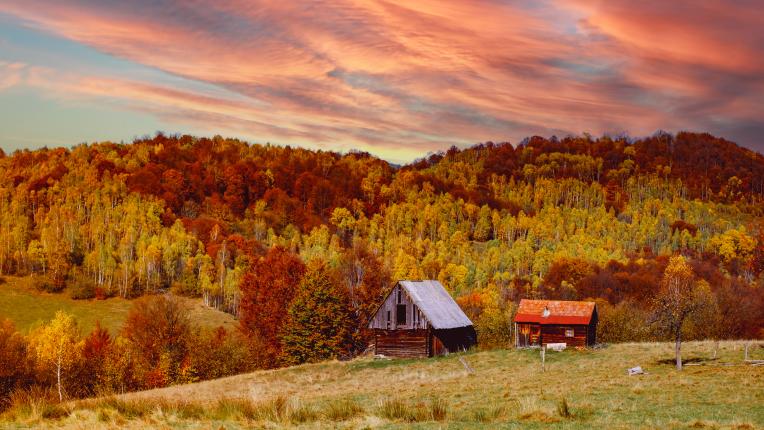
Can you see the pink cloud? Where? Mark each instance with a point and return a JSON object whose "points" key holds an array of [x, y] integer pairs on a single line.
{"points": [[401, 79]]}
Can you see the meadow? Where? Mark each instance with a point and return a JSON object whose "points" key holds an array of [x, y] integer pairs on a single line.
{"points": [[579, 389], [28, 308]]}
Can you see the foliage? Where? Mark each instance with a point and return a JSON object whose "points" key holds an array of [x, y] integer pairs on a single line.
{"points": [[267, 290], [53, 362], [681, 297], [157, 330], [56, 347], [232, 223], [320, 322], [15, 364]]}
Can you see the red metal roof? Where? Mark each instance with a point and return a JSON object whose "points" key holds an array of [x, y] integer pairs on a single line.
{"points": [[560, 312]]}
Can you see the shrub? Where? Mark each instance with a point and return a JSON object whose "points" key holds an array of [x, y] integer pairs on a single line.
{"points": [[82, 289], [16, 370], [43, 283]]}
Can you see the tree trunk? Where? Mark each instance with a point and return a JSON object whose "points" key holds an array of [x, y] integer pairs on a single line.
{"points": [[679, 350], [58, 380]]}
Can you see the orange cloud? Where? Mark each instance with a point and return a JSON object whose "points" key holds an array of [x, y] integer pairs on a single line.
{"points": [[401, 79]]}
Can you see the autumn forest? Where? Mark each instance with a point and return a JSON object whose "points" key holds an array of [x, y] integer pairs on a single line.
{"points": [[300, 245]]}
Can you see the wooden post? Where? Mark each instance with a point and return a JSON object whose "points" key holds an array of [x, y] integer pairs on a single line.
{"points": [[747, 344], [543, 358], [716, 348]]}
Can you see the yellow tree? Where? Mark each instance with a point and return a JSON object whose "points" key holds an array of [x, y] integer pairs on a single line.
{"points": [[679, 298], [55, 344]]}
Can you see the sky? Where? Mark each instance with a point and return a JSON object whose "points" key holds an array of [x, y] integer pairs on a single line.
{"points": [[397, 79]]}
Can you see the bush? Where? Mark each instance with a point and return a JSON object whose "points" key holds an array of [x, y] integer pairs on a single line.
{"points": [[16, 370], [43, 283], [82, 289]]}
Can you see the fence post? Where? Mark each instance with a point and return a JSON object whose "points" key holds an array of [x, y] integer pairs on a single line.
{"points": [[543, 358], [747, 344]]}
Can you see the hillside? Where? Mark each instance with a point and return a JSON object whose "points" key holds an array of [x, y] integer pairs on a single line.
{"points": [[506, 390], [273, 236], [29, 308]]}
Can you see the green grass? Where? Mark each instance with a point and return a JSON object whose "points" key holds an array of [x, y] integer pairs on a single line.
{"points": [[27, 308], [578, 390]]}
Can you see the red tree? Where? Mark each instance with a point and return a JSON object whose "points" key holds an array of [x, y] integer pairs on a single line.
{"points": [[267, 289]]}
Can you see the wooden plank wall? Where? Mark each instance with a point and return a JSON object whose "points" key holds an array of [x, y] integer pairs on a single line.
{"points": [[556, 334], [402, 343], [390, 305]]}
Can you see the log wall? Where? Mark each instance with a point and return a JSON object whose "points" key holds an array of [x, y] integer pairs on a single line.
{"points": [[402, 343], [556, 334]]}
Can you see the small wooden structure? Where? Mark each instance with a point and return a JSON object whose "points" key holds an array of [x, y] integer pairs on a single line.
{"points": [[420, 319], [540, 322]]}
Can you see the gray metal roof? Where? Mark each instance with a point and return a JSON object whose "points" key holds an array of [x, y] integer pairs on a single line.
{"points": [[436, 304]]}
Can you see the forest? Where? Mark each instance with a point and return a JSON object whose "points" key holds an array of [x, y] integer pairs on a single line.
{"points": [[289, 240]]}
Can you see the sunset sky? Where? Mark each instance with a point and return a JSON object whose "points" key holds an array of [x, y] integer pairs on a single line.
{"points": [[397, 79]]}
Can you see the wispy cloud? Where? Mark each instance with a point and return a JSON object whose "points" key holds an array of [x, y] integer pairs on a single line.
{"points": [[402, 79]]}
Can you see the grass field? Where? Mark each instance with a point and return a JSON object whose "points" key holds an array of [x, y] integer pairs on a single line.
{"points": [[578, 390], [27, 307]]}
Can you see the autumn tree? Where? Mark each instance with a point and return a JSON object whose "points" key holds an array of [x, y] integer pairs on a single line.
{"points": [[56, 345], [319, 324], [366, 279], [680, 297], [267, 289], [15, 371], [95, 351], [157, 328]]}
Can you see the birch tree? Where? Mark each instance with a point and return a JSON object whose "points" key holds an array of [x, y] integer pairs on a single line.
{"points": [[55, 345]]}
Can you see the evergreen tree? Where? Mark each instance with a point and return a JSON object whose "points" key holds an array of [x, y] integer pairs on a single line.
{"points": [[319, 325]]}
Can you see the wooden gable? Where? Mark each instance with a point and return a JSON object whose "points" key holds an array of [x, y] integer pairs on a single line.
{"points": [[398, 312]]}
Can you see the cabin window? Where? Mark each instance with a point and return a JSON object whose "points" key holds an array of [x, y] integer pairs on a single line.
{"points": [[401, 315], [400, 297], [569, 332], [388, 319]]}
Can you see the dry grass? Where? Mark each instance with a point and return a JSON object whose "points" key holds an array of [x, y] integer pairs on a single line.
{"points": [[579, 390]]}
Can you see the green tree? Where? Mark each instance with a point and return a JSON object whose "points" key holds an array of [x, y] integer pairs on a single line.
{"points": [[319, 325]]}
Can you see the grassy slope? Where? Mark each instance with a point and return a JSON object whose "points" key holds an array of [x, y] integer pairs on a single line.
{"points": [[27, 307], [507, 390]]}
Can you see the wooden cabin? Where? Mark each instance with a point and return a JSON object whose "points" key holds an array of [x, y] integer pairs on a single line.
{"points": [[540, 322], [420, 319]]}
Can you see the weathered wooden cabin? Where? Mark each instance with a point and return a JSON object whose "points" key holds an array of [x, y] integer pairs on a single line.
{"points": [[420, 319], [540, 322]]}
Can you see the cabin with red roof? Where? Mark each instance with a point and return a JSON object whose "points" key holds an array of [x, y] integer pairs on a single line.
{"points": [[540, 322]]}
